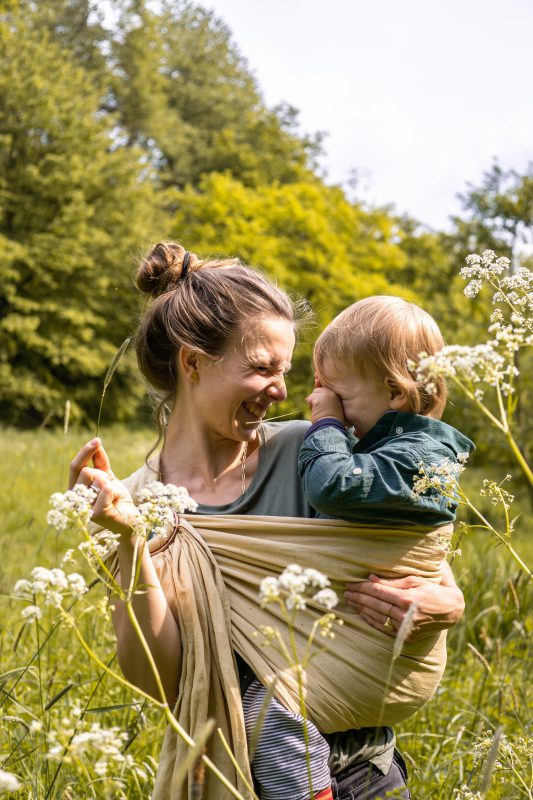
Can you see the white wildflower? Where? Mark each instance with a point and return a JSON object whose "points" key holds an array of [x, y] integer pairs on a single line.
{"points": [[291, 583], [31, 613], [99, 546], [269, 590], [9, 782], [315, 579], [72, 508], [22, 587], [439, 479], [53, 585], [296, 584], [295, 602], [326, 598], [76, 583], [158, 504], [68, 558]]}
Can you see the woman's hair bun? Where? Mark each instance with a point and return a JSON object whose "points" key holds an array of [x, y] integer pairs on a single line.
{"points": [[162, 267]]}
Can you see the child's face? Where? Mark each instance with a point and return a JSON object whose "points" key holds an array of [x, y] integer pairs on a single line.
{"points": [[363, 399]]}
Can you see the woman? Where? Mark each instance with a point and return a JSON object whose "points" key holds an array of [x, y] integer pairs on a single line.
{"points": [[215, 346]]}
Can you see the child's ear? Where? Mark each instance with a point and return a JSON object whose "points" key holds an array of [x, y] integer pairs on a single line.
{"points": [[398, 400]]}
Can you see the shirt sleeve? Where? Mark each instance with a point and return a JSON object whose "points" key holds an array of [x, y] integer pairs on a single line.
{"points": [[337, 480]]}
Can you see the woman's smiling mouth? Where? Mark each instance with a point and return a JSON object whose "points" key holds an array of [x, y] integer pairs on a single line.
{"points": [[255, 410]]}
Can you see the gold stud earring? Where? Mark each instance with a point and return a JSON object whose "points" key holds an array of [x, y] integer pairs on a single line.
{"points": [[195, 377]]}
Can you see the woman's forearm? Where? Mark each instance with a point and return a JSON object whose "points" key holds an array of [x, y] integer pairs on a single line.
{"points": [[157, 625]]}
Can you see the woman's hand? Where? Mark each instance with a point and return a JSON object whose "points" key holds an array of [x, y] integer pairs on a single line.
{"points": [[114, 508], [439, 605]]}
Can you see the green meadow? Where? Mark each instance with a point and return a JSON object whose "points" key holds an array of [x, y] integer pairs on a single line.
{"points": [[470, 741]]}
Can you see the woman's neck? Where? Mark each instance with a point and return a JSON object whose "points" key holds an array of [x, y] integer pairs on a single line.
{"points": [[211, 467]]}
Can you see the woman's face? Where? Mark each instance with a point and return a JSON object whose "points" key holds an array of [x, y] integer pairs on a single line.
{"points": [[234, 392]]}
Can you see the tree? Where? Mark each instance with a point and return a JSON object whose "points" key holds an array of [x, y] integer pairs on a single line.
{"points": [[73, 204], [186, 95]]}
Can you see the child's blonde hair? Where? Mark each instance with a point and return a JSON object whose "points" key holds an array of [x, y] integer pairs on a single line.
{"points": [[380, 335]]}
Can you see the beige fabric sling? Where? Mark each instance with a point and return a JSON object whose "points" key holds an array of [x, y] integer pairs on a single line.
{"points": [[210, 568]]}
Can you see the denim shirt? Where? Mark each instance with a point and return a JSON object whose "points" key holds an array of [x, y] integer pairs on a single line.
{"points": [[370, 480]]}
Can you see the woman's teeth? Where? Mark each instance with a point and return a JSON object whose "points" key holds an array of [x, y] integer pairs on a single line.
{"points": [[257, 411]]}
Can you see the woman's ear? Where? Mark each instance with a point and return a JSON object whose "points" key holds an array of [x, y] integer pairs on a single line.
{"points": [[188, 362], [398, 399]]}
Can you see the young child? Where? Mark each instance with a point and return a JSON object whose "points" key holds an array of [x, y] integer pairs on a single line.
{"points": [[372, 426]]}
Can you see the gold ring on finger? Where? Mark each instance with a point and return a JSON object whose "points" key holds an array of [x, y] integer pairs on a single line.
{"points": [[388, 624]]}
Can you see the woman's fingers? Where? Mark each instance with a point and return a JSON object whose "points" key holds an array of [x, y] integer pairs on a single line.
{"points": [[113, 508], [376, 596], [101, 459], [374, 606], [92, 451]]}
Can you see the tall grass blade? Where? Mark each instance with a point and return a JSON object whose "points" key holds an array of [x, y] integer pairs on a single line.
{"points": [[490, 763], [60, 694], [117, 358], [193, 755]]}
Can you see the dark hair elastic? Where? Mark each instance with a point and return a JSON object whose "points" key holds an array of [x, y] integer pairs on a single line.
{"points": [[185, 265]]}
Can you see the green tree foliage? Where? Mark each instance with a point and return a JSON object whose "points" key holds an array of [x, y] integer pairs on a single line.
{"points": [[186, 95], [73, 204], [498, 213]]}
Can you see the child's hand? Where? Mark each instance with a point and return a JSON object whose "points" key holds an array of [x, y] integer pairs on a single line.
{"points": [[325, 403]]}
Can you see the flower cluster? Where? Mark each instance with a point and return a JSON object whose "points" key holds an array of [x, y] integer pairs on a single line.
{"points": [[75, 738], [472, 366], [72, 508], [442, 478], [484, 267], [53, 585], [297, 586], [9, 782], [513, 291], [99, 546], [158, 502], [496, 494], [491, 363]]}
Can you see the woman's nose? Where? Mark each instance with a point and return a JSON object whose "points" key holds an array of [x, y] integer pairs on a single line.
{"points": [[277, 389]]}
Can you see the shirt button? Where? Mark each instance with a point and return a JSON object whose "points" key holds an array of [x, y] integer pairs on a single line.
{"points": [[399, 430], [357, 471]]}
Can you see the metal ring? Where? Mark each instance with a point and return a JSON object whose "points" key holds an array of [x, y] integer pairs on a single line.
{"points": [[388, 625], [96, 490]]}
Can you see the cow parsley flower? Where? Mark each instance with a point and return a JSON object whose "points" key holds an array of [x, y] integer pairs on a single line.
{"points": [[296, 585], [441, 479], [158, 504], [52, 586], [31, 613], [326, 598], [9, 782], [72, 508]]}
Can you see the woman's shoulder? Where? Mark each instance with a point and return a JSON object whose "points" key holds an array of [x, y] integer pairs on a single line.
{"points": [[281, 433]]}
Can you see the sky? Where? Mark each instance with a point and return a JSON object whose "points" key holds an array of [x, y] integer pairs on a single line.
{"points": [[417, 96]]}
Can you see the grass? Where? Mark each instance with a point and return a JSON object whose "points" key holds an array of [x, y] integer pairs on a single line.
{"points": [[486, 689]]}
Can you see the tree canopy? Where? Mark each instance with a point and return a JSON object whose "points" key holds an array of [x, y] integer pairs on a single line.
{"points": [[146, 123]]}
